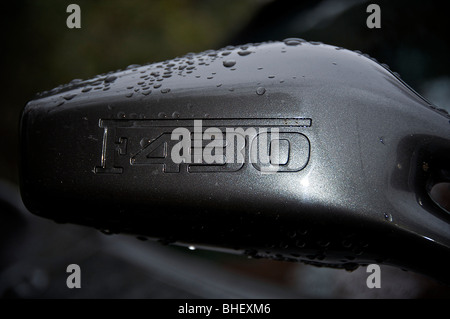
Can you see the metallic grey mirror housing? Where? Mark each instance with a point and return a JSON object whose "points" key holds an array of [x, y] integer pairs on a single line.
{"points": [[359, 152]]}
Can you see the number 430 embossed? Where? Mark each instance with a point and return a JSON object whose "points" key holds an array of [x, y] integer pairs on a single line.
{"points": [[130, 144]]}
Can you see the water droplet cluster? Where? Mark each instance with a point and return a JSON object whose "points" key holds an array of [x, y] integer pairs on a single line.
{"points": [[145, 80]]}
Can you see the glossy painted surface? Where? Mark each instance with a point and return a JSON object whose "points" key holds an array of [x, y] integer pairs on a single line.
{"points": [[365, 150]]}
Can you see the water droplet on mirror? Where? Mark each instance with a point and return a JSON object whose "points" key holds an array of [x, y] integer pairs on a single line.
{"points": [[300, 243], [260, 90], [293, 41], [68, 97], [229, 63], [110, 78], [76, 81], [346, 243], [292, 234], [244, 53], [132, 66], [323, 243], [351, 266]]}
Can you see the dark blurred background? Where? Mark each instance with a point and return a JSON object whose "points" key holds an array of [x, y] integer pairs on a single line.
{"points": [[39, 52]]}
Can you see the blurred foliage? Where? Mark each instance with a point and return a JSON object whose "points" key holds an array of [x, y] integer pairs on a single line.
{"points": [[39, 51]]}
